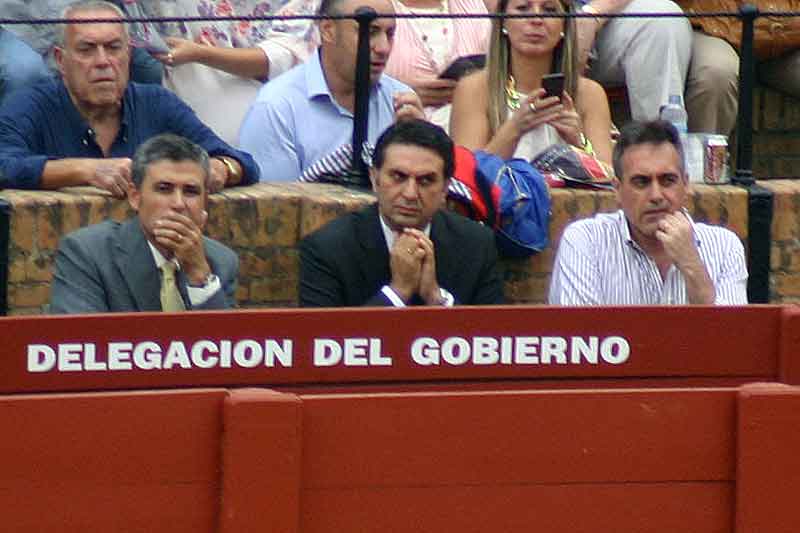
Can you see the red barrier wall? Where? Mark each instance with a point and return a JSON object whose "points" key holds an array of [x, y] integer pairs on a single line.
{"points": [[638, 460], [383, 348], [122, 462]]}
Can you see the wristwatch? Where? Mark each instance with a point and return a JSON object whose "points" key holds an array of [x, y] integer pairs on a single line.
{"points": [[234, 174], [208, 279]]}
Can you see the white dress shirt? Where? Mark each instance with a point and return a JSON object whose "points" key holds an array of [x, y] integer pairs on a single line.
{"points": [[598, 263]]}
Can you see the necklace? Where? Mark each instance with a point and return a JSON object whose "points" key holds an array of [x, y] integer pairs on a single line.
{"points": [[513, 96]]}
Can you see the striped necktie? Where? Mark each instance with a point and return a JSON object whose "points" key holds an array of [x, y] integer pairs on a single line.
{"points": [[171, 300]]}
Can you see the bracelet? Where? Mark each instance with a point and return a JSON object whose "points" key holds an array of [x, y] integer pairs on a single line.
{"points": [[233, 172]]}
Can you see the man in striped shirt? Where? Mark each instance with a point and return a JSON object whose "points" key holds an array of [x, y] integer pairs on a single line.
{"points": [[650, 252]]}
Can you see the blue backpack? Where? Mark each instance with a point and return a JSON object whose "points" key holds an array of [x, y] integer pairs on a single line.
{"points": [[510, 197]]}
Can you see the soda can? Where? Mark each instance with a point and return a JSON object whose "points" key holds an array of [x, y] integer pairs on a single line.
{"points": [[715, 167]]}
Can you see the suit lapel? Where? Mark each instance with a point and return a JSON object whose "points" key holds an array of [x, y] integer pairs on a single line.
{"points": [[447, 265], [374, 262], [137, 266]]}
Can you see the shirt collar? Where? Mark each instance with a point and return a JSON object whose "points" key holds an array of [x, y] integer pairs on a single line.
{"points": [[159, 258], [84, 130], [390, 236], [315, 78]]}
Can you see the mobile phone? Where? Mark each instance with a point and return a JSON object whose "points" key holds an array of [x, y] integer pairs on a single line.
{"points": [[553, 84]]}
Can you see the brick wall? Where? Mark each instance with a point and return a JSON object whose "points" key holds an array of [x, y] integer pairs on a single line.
{"points": [[776, 130], [776, 135], [263, 224]]}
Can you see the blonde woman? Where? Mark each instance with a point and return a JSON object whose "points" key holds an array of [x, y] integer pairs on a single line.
{"points": [[504, 110]]}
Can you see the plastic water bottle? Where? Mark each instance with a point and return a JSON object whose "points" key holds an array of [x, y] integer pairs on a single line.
{"points": [[675, 113]]}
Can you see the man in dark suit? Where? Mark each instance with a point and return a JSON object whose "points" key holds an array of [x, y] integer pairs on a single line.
{"points": [[405, 250], [158, 260]]}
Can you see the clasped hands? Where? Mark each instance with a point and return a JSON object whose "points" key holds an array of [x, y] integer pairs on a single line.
{"points": [[413, 265]]}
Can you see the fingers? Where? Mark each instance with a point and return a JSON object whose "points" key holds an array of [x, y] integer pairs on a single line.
{"points": [[180, 234]]}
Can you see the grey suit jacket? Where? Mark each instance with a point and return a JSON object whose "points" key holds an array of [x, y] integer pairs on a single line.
{"points": [[346, 262], [109, 267]]}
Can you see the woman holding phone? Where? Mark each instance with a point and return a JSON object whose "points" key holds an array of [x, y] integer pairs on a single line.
{"points": [[504, 109]]}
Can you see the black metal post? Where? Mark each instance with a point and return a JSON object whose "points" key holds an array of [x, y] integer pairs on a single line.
{"points": [[5, 244], [744, 121], [364, 17], [760, 211]]}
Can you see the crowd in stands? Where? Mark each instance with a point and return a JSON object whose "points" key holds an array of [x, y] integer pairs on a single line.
{"points": [[273, 100]]}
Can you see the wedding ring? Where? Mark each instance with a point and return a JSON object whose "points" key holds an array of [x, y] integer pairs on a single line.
{"points": [[532, 106], [410, 251]]}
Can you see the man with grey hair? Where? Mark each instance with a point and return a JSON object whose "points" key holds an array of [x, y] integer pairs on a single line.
{"points": [[82, 128], [650, 252], [159, 259]]}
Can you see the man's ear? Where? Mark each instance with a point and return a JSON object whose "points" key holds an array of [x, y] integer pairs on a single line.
{"points": [[134, 197], [444, 192], [58, 53], [327, 31], [373, 178]]}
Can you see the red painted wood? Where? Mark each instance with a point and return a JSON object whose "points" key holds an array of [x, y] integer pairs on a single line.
{"points": [[768, 472], [261, 462], [665, 342], [146, 461], [790, 346], [521, 508], [466, 439]]}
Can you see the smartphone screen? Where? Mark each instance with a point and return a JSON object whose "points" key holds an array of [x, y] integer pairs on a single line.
{"points": [[553, 84]]}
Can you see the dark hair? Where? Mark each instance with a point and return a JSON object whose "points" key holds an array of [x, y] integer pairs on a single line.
{"points": [[653, 132], [170, 147], [330, 7], [420, 133], [498, 62]]}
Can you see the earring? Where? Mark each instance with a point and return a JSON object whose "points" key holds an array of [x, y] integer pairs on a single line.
{"points": [[504, 31], [562, 34]]}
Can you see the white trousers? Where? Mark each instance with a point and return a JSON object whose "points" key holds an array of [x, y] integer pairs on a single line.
{"points": [[650, 56]]}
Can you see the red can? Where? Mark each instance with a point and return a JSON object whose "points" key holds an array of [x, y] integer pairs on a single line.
{"points": [[715, 168]]}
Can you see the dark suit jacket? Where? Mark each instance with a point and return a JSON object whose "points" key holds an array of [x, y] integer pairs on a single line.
{"points": [[346, 262], [109, 267]]}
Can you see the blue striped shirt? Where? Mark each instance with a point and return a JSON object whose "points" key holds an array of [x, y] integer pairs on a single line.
{"points": [[598, 263]]}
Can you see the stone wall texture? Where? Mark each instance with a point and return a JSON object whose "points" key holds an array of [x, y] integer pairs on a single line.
{"points": [[264, 223]]}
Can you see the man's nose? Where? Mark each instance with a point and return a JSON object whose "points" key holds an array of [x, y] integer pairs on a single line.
{"points": [[178, 201], [380, 44], [410, 189], [101, 55], [655, 192]]}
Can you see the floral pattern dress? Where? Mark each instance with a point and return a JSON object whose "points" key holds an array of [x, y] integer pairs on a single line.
{"points": [[221, 99]]}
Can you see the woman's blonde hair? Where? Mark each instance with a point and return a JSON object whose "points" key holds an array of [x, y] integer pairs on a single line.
{"points": [[498, 63]]}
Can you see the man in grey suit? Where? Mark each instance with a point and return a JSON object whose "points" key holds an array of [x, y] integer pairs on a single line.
{"points": [[406, 250], [159, 259]]}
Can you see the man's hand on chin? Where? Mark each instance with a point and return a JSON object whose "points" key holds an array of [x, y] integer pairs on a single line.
{"points": [[179, 234], [676, 236]]}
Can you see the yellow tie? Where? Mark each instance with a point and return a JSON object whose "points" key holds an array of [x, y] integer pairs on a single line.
{"points": [[171, 300]]}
